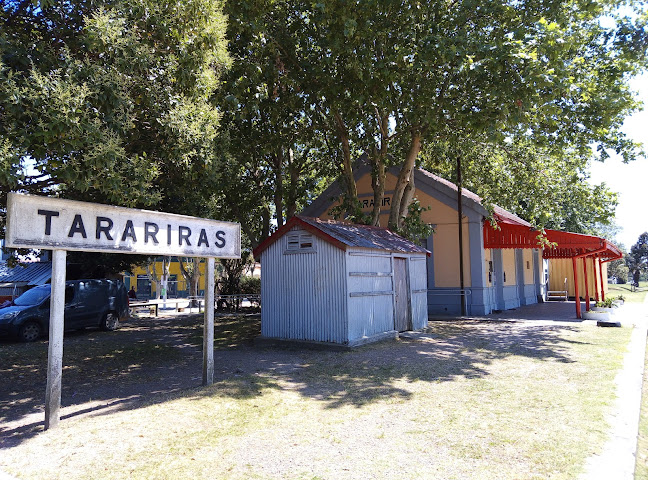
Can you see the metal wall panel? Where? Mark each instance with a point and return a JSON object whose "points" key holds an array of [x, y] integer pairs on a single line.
{"points": [[561, 268], [418, 283], [304, 294], [370, 301]]}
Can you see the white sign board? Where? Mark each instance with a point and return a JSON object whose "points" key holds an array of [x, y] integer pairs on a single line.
{"points": [[53, 223]]}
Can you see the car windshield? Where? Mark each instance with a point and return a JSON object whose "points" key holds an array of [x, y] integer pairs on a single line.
{"points": [[33, 297]]}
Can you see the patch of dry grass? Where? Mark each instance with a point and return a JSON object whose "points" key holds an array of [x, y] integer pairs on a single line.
{"points": [[625, 289], [467, 400]]}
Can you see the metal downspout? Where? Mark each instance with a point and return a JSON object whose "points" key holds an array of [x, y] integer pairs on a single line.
{"points": [[462, 297]]}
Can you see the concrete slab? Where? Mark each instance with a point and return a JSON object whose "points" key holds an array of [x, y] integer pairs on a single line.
{"points": [[540, 312], [617, 460]]}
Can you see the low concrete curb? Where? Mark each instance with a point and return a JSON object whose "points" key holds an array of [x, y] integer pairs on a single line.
{"points": [[617, 460]]}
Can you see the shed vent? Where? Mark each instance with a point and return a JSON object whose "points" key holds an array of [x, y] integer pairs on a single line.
{"points": [[299, 243]]}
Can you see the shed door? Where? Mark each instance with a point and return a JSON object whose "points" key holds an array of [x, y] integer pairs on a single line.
{"points": [[402, 318]]}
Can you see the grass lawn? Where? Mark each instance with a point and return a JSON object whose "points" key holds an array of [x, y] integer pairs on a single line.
{"points": [[471, 400], [624, 289]]}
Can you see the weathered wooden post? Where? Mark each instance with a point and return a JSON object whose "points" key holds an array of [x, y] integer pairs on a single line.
{"points": [[208, 329], [55, 347]]}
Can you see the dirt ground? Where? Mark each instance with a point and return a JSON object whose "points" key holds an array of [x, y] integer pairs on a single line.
{"points": [[150, 361], [108, 371]]}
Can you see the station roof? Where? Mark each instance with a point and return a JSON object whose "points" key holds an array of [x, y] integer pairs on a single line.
{"points": [[556, 244], [345, 235]]}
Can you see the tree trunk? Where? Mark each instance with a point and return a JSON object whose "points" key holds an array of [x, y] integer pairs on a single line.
{"points": [[349, 183], [278, 196], [408, 196], [378, 170], [400, 201], [151, 273], [378, 185], [191, 275], [293, 171]]}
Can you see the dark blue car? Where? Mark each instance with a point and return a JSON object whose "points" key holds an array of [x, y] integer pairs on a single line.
{"points": [[88, 303]]}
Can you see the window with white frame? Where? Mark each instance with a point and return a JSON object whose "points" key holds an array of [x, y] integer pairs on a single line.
{"points": [[299, 243]]}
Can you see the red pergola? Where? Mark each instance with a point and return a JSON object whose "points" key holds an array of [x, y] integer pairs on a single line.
{"points": [[515, 233]]}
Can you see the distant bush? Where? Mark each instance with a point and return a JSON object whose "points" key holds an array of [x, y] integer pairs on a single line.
{"points": [[250, 285]]}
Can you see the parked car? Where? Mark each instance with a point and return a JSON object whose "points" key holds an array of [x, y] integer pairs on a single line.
{"points": [[88, 303]]}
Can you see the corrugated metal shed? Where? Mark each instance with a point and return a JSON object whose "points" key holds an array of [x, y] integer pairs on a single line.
{"points": [[329, 282], [30, 274], [17, 280]]}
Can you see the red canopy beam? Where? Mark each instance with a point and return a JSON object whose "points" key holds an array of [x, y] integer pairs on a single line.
{"points": [[596, 288], [587, 295], [601, 274], [566, 245]]}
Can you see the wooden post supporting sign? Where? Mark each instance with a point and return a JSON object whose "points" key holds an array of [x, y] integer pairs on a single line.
{"points": [[208, 329], [55, 346], [62, 225]]}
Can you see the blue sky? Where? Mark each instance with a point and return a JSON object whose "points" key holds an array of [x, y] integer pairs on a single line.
{"points": [[629, 180]]}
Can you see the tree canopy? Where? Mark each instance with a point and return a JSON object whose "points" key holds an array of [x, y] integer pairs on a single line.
{"points": [[391, 79], [111, 101], [548, 189], [137, 103], [637, 259]]}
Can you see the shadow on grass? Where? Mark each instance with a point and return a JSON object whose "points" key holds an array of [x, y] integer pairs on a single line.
{"points": [[152, 360]]}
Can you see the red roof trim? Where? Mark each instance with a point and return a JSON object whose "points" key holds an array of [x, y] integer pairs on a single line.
{"points": [[509, 235], [289, 225]]}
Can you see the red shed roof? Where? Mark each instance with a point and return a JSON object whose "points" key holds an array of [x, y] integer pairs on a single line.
{"points": [[344, 235]]}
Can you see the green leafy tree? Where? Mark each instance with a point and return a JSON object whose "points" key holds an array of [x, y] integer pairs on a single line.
{"points": [[386, 78], [619, 270], [110, 101], [276, 154], [548, 189], [637, 259]]}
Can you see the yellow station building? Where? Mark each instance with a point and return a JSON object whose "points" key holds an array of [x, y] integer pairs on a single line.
{"points": [[177, 287], [504, 268]]}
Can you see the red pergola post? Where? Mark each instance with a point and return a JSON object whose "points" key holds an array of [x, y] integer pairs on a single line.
{"points": [[602, 284], [587, 295], [576, 295], [596, 288]]}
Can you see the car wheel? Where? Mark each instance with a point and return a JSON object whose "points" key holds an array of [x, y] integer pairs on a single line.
{"points": [[110, 322], [29, 332]]}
